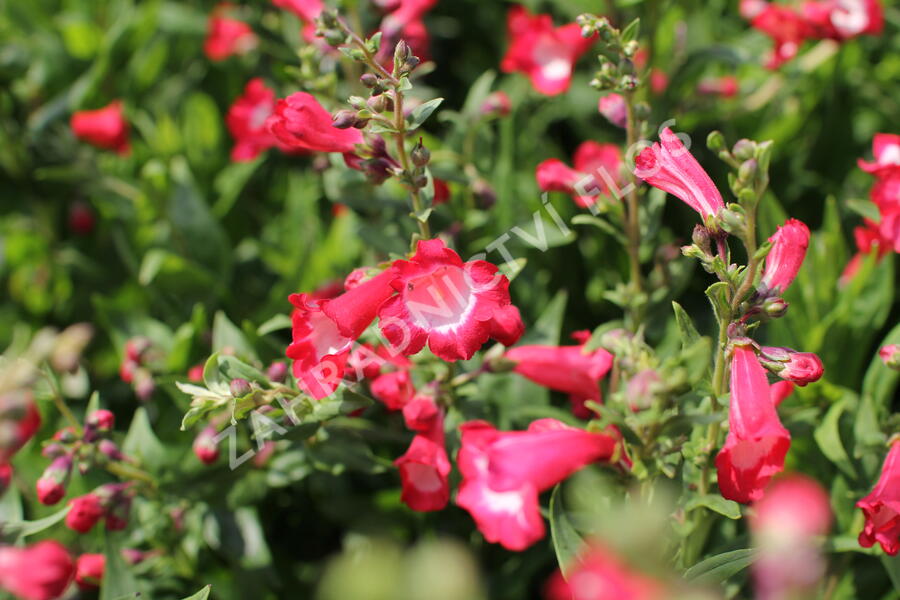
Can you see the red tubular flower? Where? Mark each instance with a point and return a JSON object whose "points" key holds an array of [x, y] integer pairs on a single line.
{"points": [[421, 413], [403, 13], [789, 244], [599, 575], [798, 367], [868, 238], [544, 53], [89, 571], [246, 121], [757, 441], [669, 166], [20, 418], [425, 468], [452, 306], [299, 122], [612, 106], [323, 332], [105, 127], [504, 471], [84, 513], [41, 571], [393, 389], [882, 507], [886, 150], [598, 170], [567, 369], [226, 36]]}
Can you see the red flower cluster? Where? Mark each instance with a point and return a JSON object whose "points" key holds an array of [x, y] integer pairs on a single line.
{"points": [[789, 27], [105, 127], [598, 171]]}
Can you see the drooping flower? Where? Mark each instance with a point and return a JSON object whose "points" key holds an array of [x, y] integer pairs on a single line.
{"points": [[104, 128], [798, 367], [544, 53], [599, 575], [299, 122], [882, 507], [450, 305], [19, 417], [757, 442], [227, 36], [598, 171], [613, 107], [246, 121], [669, 166], [568, 369], [789, 244], [886, 150], [425, 467], [324, 330], [89, 570], [504, 471], [41, 571], [785, 524]]}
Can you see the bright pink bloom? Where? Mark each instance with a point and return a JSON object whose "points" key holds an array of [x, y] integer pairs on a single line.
{"points": [[19, 417], [598, 170], [613, 107], [669, 166], [785, 525], [504, 471], [882, 507], [89, 571], [789, 244], [886, 150], [757, 441], [301, 123], [105, 127], [226, 36], [323, 332], [781, 391], [798, 367], [890, 355], [421, 413], [393, 389], [425, 468], [659, 81], [84, 513], [450, 305], [568, 369], [599, 575], [205, 447], [750, 8], [41, 571], [195, 373], [544, 53], [726, 86], [246, 121]]}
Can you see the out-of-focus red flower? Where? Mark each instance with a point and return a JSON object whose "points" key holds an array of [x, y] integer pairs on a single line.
{"points": [[393, 389], [789, 244], [414, 33], [51, 486], [890, 355], [568, 369], [442, 301], [781, 391], [504, 471], [787, 28], [299, 122], [89, 571], [497, 104], [798, 367], [6, 474], [81, 218], [547, 55], [669, 166], [599, 575], [868, 238], [613, 107], [20, 419], [757, 441], [246, 121], [726, 86], [886, 150], [307, 10], [404, 12], [41, 571], [659, 81], [882, 507], [205, 447], [598, 171], [425, 467], [227, 36], [195, 373], [441, 192], [84, 513], [105, 127]]}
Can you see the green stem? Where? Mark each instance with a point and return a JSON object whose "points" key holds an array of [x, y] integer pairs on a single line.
{"points": [[125, 471], [632, 222], [712, 439], [753, 262]]}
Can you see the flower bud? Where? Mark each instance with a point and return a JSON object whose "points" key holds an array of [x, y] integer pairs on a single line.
{"points": [[701, 238], [890, 354], [377, 103], [401, 53], [110, 450], [66, 435], [52, 450], [484, 193], [799, 367], [195, 373], [102, 420], [420, 155], [497, 104], [368, 79], [277, 372], [715, 141], [205, 447], [747, 171], [42, 570], [774, 307], [127, 369], [344, 119], [239, 387], [84, 513], [136, 347], [744, 149], [51, 487], [334, 37], [118, 512], [89, 571], [144, 386]]}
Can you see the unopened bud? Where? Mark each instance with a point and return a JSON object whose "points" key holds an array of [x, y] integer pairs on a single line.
{"points": [[496, 104], [344, 119], [368, 79], [110, 450], [205, 447], [101, 420], [51, 487], [715, 141], [747, 171], [774, 307], [334, 37], [84, 513], [239, 387], [701, 238], [377, 104], [277, 372], [744, 149], [144, 385], [401, 53], [136, 347], [420, 155], [52, 450], [484, 193]]}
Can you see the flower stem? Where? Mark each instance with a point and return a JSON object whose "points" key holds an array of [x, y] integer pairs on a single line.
{"points": [[632, 222]]}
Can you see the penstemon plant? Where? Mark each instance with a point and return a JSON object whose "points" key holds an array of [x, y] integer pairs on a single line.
{"points": [[336, 344]]}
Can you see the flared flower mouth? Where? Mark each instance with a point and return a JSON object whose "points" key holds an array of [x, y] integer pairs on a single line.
{"points": [[552, 59], [325, 337], [441, 301], [747, 455], [423, 477], [259, 114]]}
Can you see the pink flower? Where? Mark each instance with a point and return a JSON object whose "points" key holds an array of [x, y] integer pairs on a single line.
{"points": [[780, 391], [882, 507], [785, 524], [421, 413], [599, 575], [452, 306], [613, 107], [425, 468], [798, 367], [89, 571], [598, 170], [727, 86], [789, 244], [19, 417], [105, 127], [787, 28], [246, 121], [504, 471], [41, 571], [886, 149], [323, 332], [659, 81], [757, 441], [669, 166], [226, 36], [300, 123], [205, 447], [544, 53], [497, 104], [84, 513], [393, 389], [890, 355], [568, 369]]}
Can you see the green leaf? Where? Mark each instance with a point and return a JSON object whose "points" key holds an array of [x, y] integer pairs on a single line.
{"points": [[892, 566], [828, 437], [631, 31], [566, 541], [142, 443], [716, 503], [201, 595], [548, 326], [721, 566], [22, 529], [686, 326], [478, 93], [421, 113], [227, 335], [864, 208], [118, 581], [718, 296], [276, 323]]}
